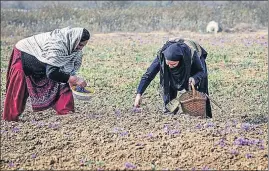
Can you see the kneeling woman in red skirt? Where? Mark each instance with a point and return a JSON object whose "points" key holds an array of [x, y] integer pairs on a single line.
{"points": [[43, 67]]}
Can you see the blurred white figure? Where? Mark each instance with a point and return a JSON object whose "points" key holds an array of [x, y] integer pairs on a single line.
{"points": [[213, 27]]}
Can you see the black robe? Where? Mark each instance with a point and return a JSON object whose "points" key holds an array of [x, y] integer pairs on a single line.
{"points": [[172, 81]]}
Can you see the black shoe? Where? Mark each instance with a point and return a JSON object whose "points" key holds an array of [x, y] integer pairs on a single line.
{"points": [[166, 111], [177, 109]]}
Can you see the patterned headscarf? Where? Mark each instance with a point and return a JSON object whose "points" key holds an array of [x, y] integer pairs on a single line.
{"points": [[59, 48], [55, 48]]}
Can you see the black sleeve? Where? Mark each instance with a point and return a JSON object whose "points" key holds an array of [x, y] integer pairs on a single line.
{"points": [[149, 76], [54, 74], [197, 69]]}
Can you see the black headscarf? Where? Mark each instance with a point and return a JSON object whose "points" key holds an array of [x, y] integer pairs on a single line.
{"points": [[173, 52]]}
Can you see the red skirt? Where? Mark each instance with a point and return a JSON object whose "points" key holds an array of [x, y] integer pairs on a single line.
{"points": [[44, 93]]}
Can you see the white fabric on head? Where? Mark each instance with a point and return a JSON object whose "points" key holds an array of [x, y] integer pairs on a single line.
{"points": [[59, 47], [55, 48], [70, 36]]}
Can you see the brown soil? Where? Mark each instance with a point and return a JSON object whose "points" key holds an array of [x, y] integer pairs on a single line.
{"points": [[110, 139], [104, 137]]}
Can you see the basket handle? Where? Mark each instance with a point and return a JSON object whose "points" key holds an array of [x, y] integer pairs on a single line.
{"points": [[193, 90]]}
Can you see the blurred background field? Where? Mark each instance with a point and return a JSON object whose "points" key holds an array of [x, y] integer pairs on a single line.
{"points": [[105, 133], [22, 18]]}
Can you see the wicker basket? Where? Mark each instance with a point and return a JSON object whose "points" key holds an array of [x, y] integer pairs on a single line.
{"points": [[194, 103], [83, 96]]}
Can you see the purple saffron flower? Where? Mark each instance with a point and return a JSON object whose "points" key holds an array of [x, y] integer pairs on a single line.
{"points": [[210, 124], [198, 126], [117, 112], [261, 147], [15, 129], [172, 132], [254, 142], [124, 133], [53, 125], [166, 129], [242, 141], [139, 144], [130, 166], [234, 122], [33, 156], [136, 110], [221, 142], [11, 164], [33, 121], [40, 124], [89, 116], [245, 126], [3, 131], [115, 130], [227, 125], [234, 152], [150, 135], [248, 155], [82, 162], [205, 168], [260, 142]]}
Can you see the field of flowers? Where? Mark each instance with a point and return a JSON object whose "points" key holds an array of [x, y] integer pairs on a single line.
{"points": [[106, 133]]}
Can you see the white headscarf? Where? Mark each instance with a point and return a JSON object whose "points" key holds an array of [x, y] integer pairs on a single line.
{"points": [[55, 48], [59, 48]]}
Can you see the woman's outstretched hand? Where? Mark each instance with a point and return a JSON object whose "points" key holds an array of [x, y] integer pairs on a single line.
{"points": [[74, 80], [137, 101], [191, 81]]}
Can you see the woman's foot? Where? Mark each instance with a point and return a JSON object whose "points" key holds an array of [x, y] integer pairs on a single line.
{"points": [[166, 111]]}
